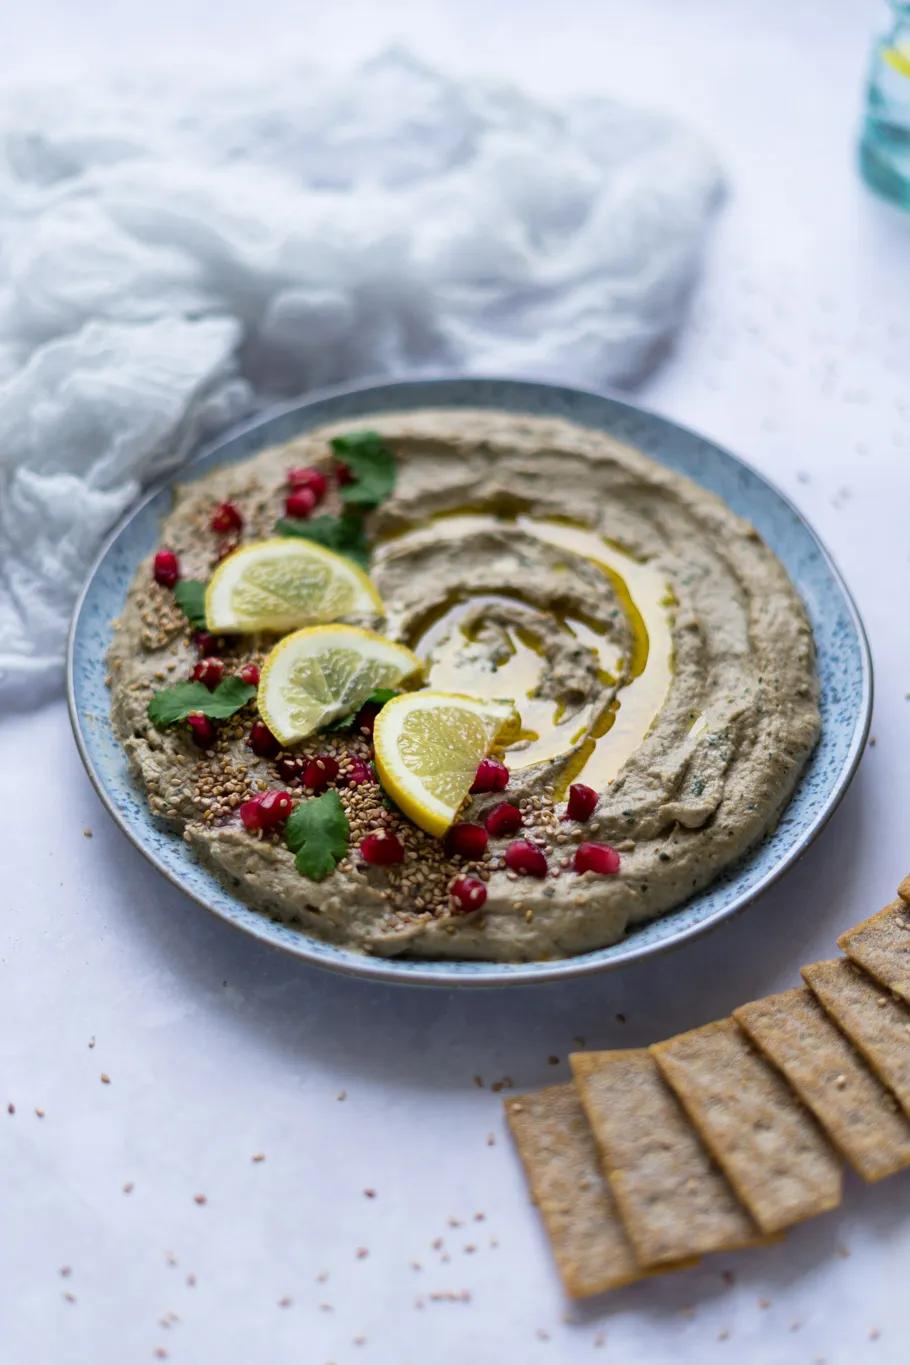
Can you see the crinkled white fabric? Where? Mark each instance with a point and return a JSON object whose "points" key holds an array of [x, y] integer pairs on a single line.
{"points": [[174, 257]]}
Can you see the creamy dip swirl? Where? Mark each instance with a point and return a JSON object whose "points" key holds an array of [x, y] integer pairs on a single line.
{"points": [[653, 645]]}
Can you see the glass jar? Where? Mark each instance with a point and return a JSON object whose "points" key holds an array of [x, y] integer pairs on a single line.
{"points": [[884, 153]]}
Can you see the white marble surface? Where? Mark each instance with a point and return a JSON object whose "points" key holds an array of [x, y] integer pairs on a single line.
{"points": [[797, 357]]}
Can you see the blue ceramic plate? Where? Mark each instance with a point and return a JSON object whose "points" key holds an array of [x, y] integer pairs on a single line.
{"points": [[843, 659]]}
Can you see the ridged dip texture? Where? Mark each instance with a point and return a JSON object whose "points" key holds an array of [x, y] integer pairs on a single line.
{"points": [[654, 646]]}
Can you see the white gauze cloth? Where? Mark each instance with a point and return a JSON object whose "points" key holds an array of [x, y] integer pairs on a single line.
{"points": [[174, 257]]}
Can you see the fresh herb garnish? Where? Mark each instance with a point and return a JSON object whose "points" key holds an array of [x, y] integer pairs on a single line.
{"points": [[342, 534], [176, 703], [318, 833], [379, 697], [189, 594], [372, 464]]}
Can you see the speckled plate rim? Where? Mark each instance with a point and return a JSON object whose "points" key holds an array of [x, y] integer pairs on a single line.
{"points": [[831, 607]]}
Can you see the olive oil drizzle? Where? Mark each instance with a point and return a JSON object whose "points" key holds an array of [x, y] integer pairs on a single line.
{"points": [[610, 734]]}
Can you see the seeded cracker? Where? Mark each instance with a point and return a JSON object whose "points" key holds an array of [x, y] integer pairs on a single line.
{"points": [[559, 1155], [882, 945], [876, 1023], [674, 1200], [766, 1142], [856, 1111]]}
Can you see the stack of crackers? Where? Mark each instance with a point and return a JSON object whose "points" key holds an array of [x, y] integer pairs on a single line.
{"points": [[722, 1137]]}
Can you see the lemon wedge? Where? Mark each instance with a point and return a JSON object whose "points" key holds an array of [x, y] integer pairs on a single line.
{"points": [[319, 674], [428, 745], [284, 583]]}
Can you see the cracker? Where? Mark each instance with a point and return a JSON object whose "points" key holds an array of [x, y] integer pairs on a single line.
{"points": [[882, 945], [768, 1145], [674, 1200], [860, 1116], [560, 1158], [876, 1024]]}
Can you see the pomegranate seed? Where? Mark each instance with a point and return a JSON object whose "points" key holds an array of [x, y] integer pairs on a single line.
{"points": [[266, 810], [261, 740], [366, 717], [226, 517], [599, 858], [502, 820], [249, 674], [166, 568], [275, 807], [343, 474], [300, 503], [468, 893], [491, 776], [313, 479], [250, 815], [210, 672], [381, 849], [202, 730], [466, 841], [358, 772], [582, 801], [290, 767], [526, 859], [206, 645], [320, 771]]}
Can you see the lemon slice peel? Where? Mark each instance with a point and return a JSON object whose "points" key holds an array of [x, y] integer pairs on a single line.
{"points": [[427, 748]]}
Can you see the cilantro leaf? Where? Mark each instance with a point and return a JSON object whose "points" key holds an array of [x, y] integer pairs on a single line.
{"points": [[176, 703], [342, 722], [317, 831], [342, 534], [379, 697], [371, 462], [372, 466], [189, 594]]}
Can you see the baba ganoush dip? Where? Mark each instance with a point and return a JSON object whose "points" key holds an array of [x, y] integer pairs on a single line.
{"points": [[655, 649]]}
